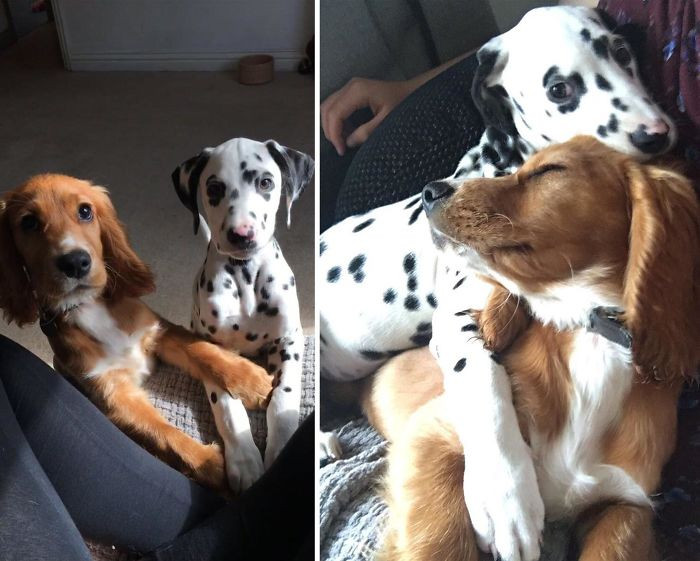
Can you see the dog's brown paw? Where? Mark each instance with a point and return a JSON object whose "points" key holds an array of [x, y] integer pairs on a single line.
{"points": [[209, 469], [251, 383]]}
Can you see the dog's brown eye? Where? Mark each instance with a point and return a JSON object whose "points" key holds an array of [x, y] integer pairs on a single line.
{"points": [[266, 184], [85, 212], [560, 91], [29, 223]]}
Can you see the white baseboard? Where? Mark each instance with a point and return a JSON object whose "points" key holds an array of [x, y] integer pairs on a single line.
{"points": [[284, 61]]}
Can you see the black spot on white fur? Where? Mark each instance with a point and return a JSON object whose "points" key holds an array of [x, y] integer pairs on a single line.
{"points": [[411, 303], [617, 104], [372, 355], [601, 47], [333, 274], [355, 268], [415, 214], [602, 83], [409, 263], [363, 225]]}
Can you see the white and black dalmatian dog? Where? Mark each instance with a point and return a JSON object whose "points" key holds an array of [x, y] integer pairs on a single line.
{"points": [[244, 293], [559, 73]]}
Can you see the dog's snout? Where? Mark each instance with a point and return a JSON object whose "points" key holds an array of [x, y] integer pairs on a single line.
{"points": [[658, 127], [74, 264], [435, 191], [243, 240], [651, 139], [244, 231]]}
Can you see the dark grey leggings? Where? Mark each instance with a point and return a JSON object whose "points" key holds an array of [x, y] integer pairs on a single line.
{"points": [[66, 470]]}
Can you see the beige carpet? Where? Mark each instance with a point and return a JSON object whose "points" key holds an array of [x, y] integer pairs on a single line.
{"points": [[127, 131]]}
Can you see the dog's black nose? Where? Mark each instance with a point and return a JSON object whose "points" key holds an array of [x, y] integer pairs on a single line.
{"points": [[648, 143], [238, 241], [74, 264], [435, 191]]}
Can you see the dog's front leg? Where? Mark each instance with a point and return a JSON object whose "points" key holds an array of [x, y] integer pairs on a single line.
{"points": [[127, 405], [243, 460], [427, 519], [619, 533], [500, 483], [208, 362], [283, 410]]}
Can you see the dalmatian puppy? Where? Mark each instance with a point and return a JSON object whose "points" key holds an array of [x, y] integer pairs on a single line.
{"points": [[386, 287], [244, 294]]}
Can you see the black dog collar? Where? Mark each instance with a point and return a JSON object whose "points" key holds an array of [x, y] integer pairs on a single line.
{"points": [[606, 322], [47, 322]]}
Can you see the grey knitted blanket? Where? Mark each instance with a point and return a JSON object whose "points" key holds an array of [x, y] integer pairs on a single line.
{"points": [[352, 512]]}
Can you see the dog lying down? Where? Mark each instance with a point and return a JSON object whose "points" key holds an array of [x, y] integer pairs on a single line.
{"points": [[66, 263], [596, 321]]}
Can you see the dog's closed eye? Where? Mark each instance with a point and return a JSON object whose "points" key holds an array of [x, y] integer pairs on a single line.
{"points": [[544, 169]]}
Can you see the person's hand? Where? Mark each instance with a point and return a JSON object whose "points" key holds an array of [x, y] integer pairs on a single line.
{"points": [[380, 96]]}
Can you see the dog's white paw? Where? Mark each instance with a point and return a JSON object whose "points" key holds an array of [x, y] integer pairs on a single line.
{"points": [[272, 450], [244, 466], [505, 507], [329, 448]]}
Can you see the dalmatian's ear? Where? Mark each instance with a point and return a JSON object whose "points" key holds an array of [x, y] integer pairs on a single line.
{"points": [[488, 95], [297, 170], [186, 181]]}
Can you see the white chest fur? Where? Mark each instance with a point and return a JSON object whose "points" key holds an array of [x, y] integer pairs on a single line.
{"points": [[570, 470], [122, 350], [246, 305]]}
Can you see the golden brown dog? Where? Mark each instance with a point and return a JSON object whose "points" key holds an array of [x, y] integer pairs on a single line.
{"points": [[66, 262], [577, 227]]}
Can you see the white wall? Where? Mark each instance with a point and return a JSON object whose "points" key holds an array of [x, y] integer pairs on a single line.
{"points": [[181, 34]]}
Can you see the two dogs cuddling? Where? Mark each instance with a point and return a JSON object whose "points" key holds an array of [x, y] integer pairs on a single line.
{"points": [[67, 263], [560, 299]]}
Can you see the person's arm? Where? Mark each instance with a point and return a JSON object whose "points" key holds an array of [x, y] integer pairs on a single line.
{"points": [[379, 95]]}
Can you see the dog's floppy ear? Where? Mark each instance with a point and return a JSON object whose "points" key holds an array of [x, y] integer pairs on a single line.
{"points": [[16, 298], [128, 275], [186, 181], [297, 170], [489, 96], [662, 280]]}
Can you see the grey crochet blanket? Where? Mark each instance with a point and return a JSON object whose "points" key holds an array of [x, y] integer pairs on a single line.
{"points": [[352, 512]]}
